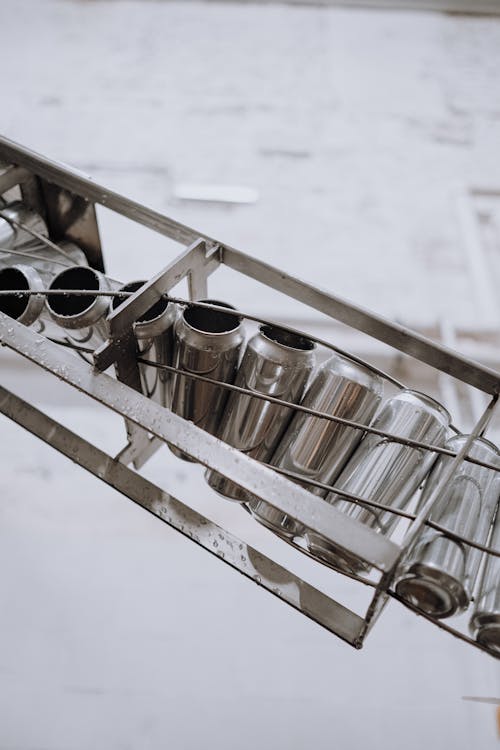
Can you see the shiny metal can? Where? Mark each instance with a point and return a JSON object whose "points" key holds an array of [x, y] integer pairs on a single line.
{"points": [[276, 363], [28, 308], [206, 342], [154, 335], [384, 471], [485, 621], [83, 317], [439, 573], [317, 448], [12, 236], [34, 274]]}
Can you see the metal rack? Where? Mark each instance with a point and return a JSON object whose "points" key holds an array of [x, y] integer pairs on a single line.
{"points": [[67, 201]]}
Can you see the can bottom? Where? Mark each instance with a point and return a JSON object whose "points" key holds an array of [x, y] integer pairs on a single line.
{"points": [[489, 637], [337, 558], [184, 456], [274, 520], [226, 488], [485, 628], [433, 591]]}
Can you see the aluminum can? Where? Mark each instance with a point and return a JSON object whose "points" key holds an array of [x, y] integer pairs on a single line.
{"points": [[277, 363], [12, 236], [35, 274], [485, 621], [154, 335], [25, 309], [207, 342], [83, 317], [439, 573], [317, 448], [384, 471]]}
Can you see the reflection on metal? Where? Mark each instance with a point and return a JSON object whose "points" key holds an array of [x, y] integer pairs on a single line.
{"points": [[207, 342], [440, 574], [276, 363], [152, 424], [387, 472], [317, 450]]}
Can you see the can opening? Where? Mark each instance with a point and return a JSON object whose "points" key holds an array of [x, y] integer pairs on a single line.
{"points": [[73, 304], [212, 321], [154, 312], [13, 305], [287, 338]]}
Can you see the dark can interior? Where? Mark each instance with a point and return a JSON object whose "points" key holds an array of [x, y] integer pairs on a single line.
{"points": [[13, 305], [211, 321], [287, 338], [73, 278], [154, 312]]}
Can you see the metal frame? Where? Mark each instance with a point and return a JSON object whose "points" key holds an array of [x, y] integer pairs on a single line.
{"points": [[153, 425]]}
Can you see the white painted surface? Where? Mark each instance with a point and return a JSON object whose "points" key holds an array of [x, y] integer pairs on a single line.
{"points": [[356, 128]]}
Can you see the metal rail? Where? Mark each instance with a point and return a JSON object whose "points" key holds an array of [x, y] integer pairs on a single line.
{"points": [[196, 527]]}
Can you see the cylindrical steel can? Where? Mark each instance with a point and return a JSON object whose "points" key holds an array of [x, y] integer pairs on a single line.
{"points": [[384, 471], [317, 448], [154, 334], [208, 343], [25, 309], [83, 317], [36, 274], [12, 236], [276, 363], [439, 573], [485, 620]]}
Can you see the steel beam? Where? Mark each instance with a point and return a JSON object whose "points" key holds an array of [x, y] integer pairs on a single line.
{"points": [[245, 559]]}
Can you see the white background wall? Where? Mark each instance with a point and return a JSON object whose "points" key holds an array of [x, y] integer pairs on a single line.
{"points": [[357, 128]]}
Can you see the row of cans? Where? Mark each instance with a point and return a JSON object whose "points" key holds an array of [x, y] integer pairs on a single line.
{"points": [[440, 573]]}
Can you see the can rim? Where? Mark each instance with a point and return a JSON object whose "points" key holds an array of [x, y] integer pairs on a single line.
{"points": [[84, 303], [31, 281], [222, 316], [363, 367], [481, 439], [425, 397], [152, 314], [280, 338], [442, 589]]}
